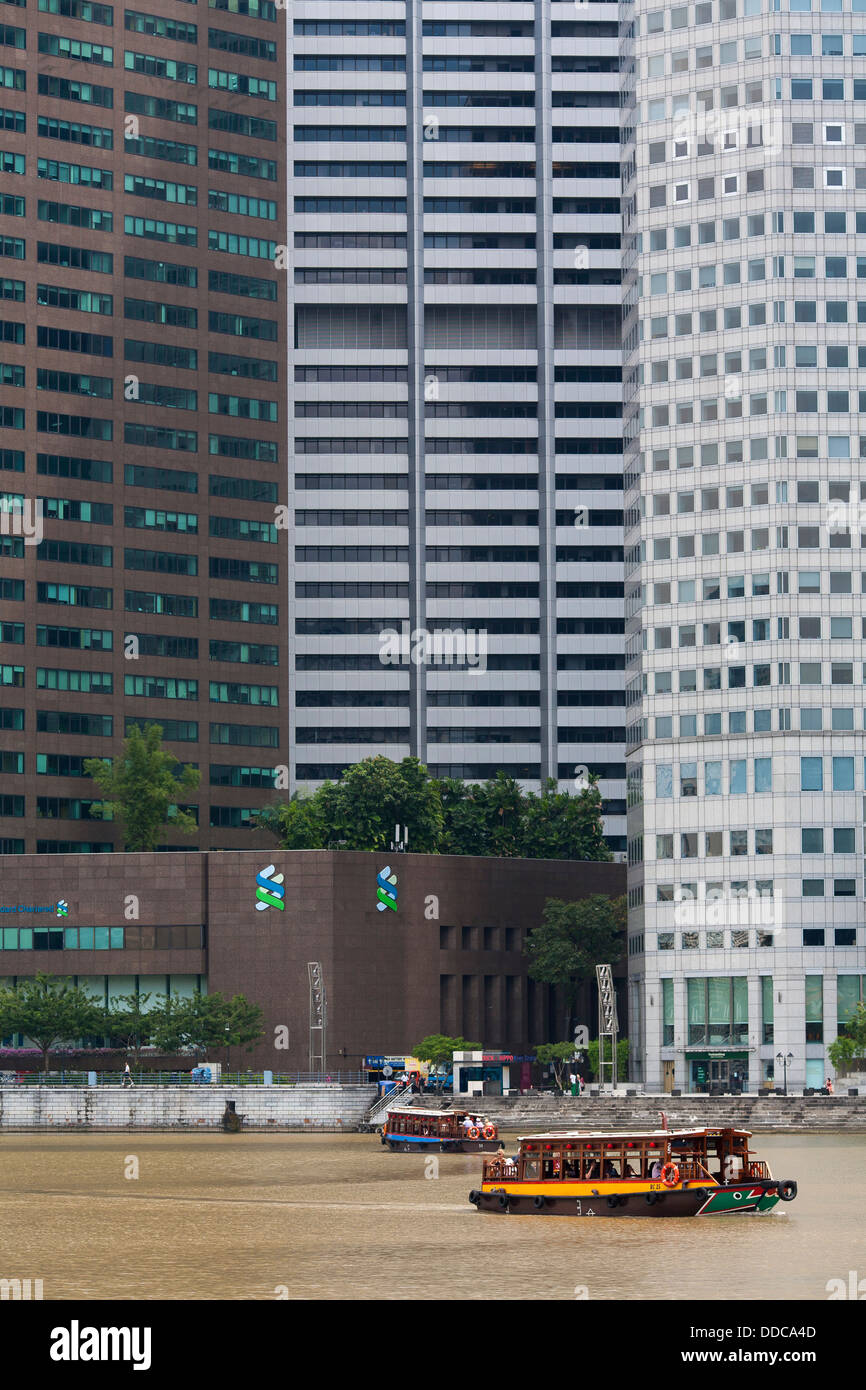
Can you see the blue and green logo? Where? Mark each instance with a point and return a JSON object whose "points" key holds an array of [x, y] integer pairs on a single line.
{"points": [[269, 889], [386, 890], [63, 908]]}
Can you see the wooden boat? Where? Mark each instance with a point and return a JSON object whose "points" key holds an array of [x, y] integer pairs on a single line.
{"points": [[684, 1172], [445, 1131]]}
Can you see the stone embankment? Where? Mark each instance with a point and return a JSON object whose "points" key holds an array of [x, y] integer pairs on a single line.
{"points": [[324, 1107], [762, 1114]]}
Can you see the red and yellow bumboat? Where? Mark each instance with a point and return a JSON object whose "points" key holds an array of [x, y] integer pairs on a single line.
{"points": [[686, 1172]]}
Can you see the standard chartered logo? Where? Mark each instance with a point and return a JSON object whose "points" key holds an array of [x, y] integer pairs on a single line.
{"points": [[386, 890], [269, 889]]}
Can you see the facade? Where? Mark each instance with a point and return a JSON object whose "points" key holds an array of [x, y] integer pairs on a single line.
{"points": [[743, 171], [448, 957], [143, 421], [454, 215]]}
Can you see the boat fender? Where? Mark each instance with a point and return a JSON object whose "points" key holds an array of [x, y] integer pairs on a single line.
{"points": [[503, 1202], [702, 1194], [489, 1132], [538, 1202], [612, 1201], [787, 1190], [652, 1198], [474, 1197], [670, 1175]]}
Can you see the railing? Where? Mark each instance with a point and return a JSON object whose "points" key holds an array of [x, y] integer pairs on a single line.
{"points": [[184, 1078], [382, 1105], [498, 1170]]}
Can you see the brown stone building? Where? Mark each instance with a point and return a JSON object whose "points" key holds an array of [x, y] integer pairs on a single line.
{"points": [[447, 958], [142, 352]]}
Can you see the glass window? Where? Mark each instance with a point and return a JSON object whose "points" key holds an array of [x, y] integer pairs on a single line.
{"points": [[737, 783], [843, 774], [811, 774]]}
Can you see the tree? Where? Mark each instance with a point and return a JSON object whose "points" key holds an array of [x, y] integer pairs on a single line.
{"points": [[557, 825], [621, 1057], [142, 788], [129, 1022], [438, 1049], [361, 810], [483, 817], [49, 1010], [495, 817], [573, 938], [557, 1054], [850, 1046], [206, 1021]]}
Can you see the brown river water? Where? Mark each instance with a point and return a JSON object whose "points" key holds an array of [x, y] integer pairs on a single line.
{"points": [[338, 1217]]}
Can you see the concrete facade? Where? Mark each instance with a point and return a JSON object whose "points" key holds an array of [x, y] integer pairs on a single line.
{"points": [[743, 170]]}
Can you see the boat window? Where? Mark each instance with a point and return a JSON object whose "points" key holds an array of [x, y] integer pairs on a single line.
{"points": [[591, 1163], [531, 1169]]}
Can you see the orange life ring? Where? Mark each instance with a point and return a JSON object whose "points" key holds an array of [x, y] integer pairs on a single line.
{"points": [[489, 1131], [670, 1175], [473, 1132]]}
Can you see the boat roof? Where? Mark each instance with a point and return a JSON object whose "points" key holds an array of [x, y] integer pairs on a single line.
{"points": [[638, 1134], [416, 1110]]}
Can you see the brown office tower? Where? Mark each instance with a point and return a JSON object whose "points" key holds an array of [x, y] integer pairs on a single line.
{"points": [[142, 416]]}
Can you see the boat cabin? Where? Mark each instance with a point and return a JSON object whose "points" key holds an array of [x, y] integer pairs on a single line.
{"points": [[719, 1154], [444, 1124]]}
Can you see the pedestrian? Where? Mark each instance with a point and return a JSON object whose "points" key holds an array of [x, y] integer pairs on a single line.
{"points": [[829, 1086], [127, 1076], [573, 1079], [579, 1084]]}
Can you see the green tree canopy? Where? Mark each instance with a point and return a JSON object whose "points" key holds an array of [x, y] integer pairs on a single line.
{"points": [[206, 1021], [439, 1049], [129, 1022], [573, 938], [49, 1010], [850, 1046], [556, 1053], [142, 788], [494, 818]]}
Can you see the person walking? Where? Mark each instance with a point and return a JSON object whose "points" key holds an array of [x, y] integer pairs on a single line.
{"points": [[573, 1079], [127, 1076]]}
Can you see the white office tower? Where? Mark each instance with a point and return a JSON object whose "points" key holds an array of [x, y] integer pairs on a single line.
{"points": [[744, 210], [454, 233]]}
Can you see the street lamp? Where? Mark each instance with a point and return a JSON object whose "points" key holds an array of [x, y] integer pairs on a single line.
{"points": [[227, 1048], [785, 1059]]}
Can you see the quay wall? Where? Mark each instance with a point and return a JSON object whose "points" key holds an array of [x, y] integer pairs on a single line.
{"points": [[337, 1108], [762, 1114], [323, 1107]]}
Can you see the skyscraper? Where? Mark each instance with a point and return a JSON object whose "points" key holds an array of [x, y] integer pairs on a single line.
{"points": [[744, 127], [143, 418], [454, 213]]}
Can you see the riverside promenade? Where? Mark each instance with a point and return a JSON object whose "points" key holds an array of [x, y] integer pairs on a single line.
{"points": [[342, 1108]]}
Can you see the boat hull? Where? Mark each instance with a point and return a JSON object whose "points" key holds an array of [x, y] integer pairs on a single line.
{"points": [[760, 1196], [402, 1143]]}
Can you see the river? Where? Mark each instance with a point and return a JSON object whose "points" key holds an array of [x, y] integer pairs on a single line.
{"points": [[249, 1216]]}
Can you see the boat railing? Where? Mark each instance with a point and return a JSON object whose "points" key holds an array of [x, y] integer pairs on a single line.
{"points": [[691, 1170], [757, 1168], [379, 1109], [498, 1169]]}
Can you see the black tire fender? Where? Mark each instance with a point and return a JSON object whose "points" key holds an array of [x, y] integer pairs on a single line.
{"points": [[503, 1201], [539, 1202], [474, 1197], [612, 1201], [651, 1198], [787, 1190]]}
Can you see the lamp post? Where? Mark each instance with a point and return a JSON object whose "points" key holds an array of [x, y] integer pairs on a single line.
{"points": [[785, 1059], [227, 1048]]}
